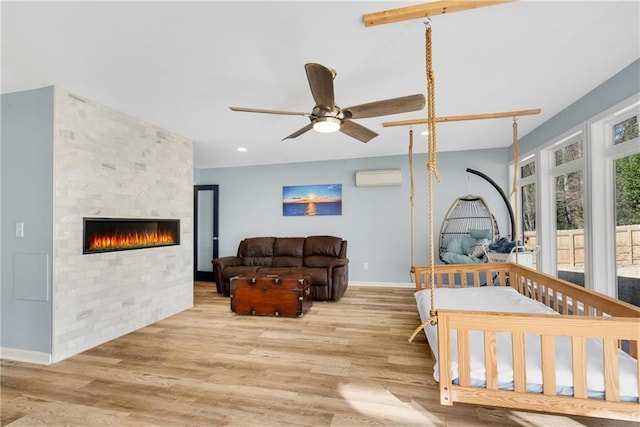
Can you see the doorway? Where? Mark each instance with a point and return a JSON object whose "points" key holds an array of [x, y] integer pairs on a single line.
{"points": [[205, 233]]}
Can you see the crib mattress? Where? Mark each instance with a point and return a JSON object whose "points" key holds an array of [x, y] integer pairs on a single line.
{"points": [[508, 300]]}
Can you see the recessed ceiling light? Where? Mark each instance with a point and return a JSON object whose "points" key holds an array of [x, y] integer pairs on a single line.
{"points": [[424, 132], [241, 149]]}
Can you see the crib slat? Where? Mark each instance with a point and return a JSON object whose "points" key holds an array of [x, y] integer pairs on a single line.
{"points": [[503, 278], [588, 310], [519, 362], [579, 366], [548, 365], [517, 283], [611, 375], [490, 360], [476, 279], [464, 352]]}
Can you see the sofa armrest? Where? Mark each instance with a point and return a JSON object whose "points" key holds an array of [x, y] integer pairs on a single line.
{"points": [[227, 261], [338, 277], [337, 263], [220, 264]]}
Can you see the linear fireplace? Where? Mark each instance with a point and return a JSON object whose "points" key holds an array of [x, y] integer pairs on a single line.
{"points": [[122, 234]]}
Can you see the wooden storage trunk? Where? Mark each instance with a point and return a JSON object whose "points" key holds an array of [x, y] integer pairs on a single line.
{"points": [[286, 295]]}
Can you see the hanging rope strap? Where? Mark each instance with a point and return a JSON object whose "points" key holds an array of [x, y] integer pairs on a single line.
{"points": [[514, 189], [432, 160], [411, 198], [432, 172], [431, 109]]}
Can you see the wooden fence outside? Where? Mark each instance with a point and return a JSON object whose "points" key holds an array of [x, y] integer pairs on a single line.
{"points": [[570, 246]]}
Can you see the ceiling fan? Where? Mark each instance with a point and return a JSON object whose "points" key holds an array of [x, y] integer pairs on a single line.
{"points": [[327, 117]]}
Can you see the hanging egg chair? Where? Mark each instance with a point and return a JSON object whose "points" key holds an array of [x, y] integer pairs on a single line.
{"points": [[468, 216]]}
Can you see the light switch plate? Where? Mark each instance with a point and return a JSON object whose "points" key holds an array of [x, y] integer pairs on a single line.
{"points": [[19, 229]]}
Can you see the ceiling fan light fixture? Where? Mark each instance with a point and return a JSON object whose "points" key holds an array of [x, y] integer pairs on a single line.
{"points": [[326, 124]]}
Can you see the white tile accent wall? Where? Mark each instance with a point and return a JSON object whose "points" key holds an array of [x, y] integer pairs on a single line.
{"points": [[109, 164]]}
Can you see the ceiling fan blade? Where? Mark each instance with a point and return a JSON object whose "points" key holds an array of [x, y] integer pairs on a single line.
{"points": [[300, 131], [357, 131], [321, 84], [402, 104], [258, 110]]}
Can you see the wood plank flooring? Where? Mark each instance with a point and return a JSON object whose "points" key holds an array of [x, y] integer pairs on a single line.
{"points": [[342, 364]]}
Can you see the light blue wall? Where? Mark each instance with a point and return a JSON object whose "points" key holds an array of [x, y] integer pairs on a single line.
{"points": [[27, 196], [376, 221], [616, 89]]}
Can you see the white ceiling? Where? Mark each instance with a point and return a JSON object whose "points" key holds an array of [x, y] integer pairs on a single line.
{"points": [[180, 65]]}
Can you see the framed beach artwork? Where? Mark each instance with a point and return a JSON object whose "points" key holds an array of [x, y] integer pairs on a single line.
{"points": [[312, 200]]}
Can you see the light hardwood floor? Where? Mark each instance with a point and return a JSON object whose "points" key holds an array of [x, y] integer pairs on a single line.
{"points": [[342, 364]]}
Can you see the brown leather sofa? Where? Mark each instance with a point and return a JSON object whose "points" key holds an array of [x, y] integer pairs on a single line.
{"points": [[324, 257]]}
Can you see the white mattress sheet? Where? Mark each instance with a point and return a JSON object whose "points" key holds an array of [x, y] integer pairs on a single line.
{"points": [[507, 299]]}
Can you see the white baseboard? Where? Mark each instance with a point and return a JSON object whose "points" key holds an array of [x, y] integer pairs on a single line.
{"points": [[383, 284], [28, 356]]}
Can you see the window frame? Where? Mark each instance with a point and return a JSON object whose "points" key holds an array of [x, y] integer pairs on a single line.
{"points": [[547, 204], [528, 158], [603, 154]]}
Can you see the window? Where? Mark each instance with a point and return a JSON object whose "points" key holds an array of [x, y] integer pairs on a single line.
{"points": [[627, 227], [527, 203], [623, 150], [569, 153], [625, 130], [566, 199]]}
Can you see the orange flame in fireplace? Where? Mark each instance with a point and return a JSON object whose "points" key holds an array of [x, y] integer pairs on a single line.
{"points": [[132, 240]]}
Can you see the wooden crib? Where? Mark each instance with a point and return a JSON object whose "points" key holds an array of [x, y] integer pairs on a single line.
{"points": [[583, 315]]}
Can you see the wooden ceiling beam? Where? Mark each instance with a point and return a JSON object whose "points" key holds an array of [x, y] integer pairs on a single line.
{"points": [[465, 117], [427, 9]]}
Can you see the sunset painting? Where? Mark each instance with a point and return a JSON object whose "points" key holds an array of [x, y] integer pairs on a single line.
{"points": [[312, 200]]}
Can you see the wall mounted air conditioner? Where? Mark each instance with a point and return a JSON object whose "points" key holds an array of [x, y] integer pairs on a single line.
{"points": [[379, 178]]}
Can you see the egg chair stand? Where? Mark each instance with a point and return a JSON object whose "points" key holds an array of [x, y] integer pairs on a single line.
{"points": [[502, 195]]}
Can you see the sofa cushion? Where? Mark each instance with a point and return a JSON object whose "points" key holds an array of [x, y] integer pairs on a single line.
{"points": [[322, 245], [286, 261], [256, 247], [256, 251], [287, 252], [258, 261], [288, 246]]}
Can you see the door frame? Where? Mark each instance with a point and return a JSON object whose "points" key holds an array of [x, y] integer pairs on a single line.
{"points": [[204, 275]]}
